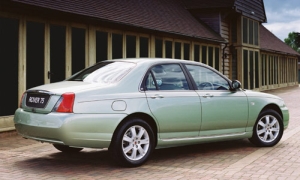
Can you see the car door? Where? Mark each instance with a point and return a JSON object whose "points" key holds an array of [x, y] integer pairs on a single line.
{"points": [[224, 112], [175, 106]]}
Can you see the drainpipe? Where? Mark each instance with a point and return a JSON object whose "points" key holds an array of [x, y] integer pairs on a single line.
{"points": [[224, 55]]}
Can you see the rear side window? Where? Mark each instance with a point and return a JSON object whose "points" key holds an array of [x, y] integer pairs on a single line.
{"points": [[104, 72], [166, 77]]}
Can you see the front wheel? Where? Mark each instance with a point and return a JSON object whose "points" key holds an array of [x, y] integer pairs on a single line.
{"points": [[268, 129], [133, 143]]}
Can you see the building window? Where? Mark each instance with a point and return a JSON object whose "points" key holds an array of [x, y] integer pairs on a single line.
{"points": [[197, 53], [250, 31], [158, 48], [144, 47], [35, 48], [9, 41], [186, 51], [250, 69], [217, 59], [204, 54], [245, 65], [130, 46], [101, 46], [211, 56], [168, 49], [177, 50], [117, 46], [57, 53], [78, 49]]}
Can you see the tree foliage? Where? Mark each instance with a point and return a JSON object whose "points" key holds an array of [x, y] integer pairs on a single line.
{"points": [[293, 40]]}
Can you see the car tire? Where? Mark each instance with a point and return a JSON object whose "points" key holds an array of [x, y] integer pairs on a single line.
{"points": [[132, 143], [67, 149], [268, 129]]}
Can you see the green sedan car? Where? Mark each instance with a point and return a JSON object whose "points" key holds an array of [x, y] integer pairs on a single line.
{"points": [[132, 106]]}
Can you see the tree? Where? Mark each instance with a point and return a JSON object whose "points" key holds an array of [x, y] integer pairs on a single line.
{"points": [[293, 40]]}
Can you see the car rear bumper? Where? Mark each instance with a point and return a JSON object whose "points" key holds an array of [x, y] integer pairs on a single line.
{"points": [[77, 130]]}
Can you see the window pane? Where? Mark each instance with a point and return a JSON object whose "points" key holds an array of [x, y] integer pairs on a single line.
{"points": [[35, 43], [144, 47], [169, 48], [204, 54], [117, 46], [256, 70], [57, 53], [207, 79], [245, 30], [186, 51], [130, 46], [245, 57], [251, 61], [250, 32], [150, 84], [177, 50], [101, 46], [169, 77], [196, 53], [158, 48], [78, 49], [210, 56], [9, 41], [217, 59]]}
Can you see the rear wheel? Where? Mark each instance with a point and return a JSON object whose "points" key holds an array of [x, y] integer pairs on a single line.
{"points": [[133, 143], [268, 129], [68, 149]]}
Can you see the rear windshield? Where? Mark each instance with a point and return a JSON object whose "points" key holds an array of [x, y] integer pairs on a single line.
{"points": [[103, 72]]}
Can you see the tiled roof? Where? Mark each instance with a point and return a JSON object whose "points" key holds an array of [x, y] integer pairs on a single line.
{"points": [[269, 42], [249, 8], [162, 15], [203, 4]]}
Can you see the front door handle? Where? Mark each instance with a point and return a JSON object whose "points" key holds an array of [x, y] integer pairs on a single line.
{"points": [[157, 96], [208, 95]]}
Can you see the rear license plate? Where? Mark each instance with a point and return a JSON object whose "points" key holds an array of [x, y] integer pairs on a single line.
{"points": [[37, 100]]}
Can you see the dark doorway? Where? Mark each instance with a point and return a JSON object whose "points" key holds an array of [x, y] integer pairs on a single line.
{"points": [[78, 49], [35, 54], [57, 53], [9, 33]]}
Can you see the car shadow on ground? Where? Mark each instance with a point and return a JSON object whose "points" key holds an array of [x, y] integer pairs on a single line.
{"points": [[90, 159]]}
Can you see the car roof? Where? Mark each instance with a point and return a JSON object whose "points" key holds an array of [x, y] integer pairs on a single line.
{"points": [[156, 60]]}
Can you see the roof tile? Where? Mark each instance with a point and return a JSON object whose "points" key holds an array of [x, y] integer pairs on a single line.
{"points": [[161, 15], [269, 42]]}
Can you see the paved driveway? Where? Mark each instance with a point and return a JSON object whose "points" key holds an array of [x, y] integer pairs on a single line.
{"points": [[27, 159]]}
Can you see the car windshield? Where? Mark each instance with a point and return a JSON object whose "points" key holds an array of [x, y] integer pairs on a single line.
{"points": [[103, 72]]}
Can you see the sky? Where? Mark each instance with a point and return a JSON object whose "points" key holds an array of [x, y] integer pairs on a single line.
{"points": [[283, 17]]}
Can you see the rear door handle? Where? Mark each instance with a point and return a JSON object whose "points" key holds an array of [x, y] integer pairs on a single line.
{"points": [[157, 96], [208, 96]]}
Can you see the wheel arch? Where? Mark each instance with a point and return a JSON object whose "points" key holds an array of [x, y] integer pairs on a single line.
{"points": [[273, 107], [146, 117]]}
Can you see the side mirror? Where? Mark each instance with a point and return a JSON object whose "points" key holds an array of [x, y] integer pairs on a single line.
{"points": [[235, 85]]}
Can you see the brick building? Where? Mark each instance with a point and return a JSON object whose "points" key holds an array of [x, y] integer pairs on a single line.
{"points": [[48, 40]]}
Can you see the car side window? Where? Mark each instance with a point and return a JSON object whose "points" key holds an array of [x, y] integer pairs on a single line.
{"points": [[167, 77], [207, 79]]}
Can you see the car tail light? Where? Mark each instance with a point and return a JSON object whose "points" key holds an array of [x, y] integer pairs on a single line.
{"points": [[65, 103], [21, 100]]}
